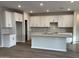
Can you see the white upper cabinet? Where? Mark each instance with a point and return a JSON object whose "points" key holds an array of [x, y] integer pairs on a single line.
{"points": [[34, 21], [44, 21], [68, 21], [39, 21], [56, 18], [60, 22], [18, 17], [8, 19], [65, 21], [31, 22], [49, 18]]}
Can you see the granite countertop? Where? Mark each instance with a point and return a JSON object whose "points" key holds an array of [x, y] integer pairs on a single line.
{"points": [[53, 34], [7, 33]]}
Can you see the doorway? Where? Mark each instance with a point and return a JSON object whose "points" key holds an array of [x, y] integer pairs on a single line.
{"points": [[18, 31], [25, 30]]}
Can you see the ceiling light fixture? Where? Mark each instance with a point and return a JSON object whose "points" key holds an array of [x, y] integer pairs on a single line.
{"points": [[68, 9], [72, 1], [19, 6], [31, 11], [41, 4], [47, 10]]}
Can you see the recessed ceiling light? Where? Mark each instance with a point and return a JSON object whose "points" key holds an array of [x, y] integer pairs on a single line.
{"points": [[47, 10], [68, 9], [41, 4], [19, 6], [72, 1], [31, 11]]}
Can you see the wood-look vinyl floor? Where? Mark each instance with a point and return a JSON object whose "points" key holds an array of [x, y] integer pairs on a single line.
{"points": [[23, 50]]}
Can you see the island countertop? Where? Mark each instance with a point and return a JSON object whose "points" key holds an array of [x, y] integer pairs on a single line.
{"points": [[53, 35]]}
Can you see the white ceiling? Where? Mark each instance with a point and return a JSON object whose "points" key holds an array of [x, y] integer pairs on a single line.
{"points": [[53, 6]]}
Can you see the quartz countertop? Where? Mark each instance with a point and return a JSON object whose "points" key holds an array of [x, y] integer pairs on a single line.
{"points": [[52, 34]]}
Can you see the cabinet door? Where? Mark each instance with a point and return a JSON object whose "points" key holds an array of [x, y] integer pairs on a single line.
{"points": [[31, 21], [42, 21], [35, 21], [8, 19], [39, 21], [67, 20], [5, 41], [16, 16], [47, 21], [12, 40], [50, 18], [20, 17], [56, 18], [60, 21]]}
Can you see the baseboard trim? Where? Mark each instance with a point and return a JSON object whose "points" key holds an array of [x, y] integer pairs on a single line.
{"points": [[49, 49]]}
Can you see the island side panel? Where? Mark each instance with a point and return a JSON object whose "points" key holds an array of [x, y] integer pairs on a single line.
{"points": [[50, 43]]}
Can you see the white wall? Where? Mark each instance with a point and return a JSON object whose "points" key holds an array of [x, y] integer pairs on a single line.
{"points": [[76, 31], [26, 17], [76, 27], [0, 26]]}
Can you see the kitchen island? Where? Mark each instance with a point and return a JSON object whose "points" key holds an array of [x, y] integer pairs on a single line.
{"points": [[57, 42]]}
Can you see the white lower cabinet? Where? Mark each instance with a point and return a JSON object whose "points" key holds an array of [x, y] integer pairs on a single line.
{"points": [[9, 40], [12, 40]]}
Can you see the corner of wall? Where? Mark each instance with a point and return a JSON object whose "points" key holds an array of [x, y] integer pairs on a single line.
{"points": [[25, 17]]}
